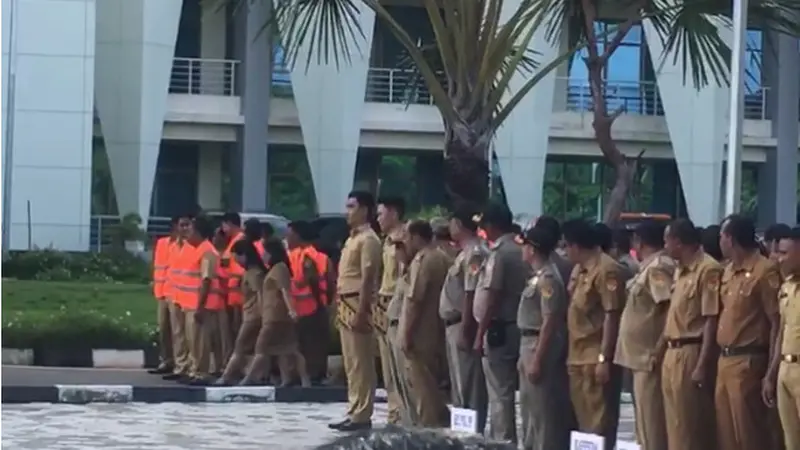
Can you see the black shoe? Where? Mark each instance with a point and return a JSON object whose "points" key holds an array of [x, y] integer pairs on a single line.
{"points": [[355, 426], [161, 370], [217, 374], [171, 376], [199, 382], [185, 379], [338, 425]]}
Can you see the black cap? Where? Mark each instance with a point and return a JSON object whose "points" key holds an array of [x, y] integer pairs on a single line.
{"points": [[539, 238], [497, 215]]}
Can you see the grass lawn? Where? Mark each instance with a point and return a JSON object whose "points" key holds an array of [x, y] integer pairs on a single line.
{"points": [[135, 302]]}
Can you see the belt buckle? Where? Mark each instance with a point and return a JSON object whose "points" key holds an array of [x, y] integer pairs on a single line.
{"points": [[726, 351], [672, 344], [789, 358]]}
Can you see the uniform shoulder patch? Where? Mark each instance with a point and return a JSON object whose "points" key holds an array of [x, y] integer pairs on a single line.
{"points": [[713, 279], [612, 284], [659, 277], [546, 287]]}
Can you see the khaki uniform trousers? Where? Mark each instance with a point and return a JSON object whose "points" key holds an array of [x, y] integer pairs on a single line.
{"points": [[408, 413], [180, 344], [651, 424], [742, 417], [789, 403], [313, 334], [502, 376], [393, 401], [429, 403], [596, 405], [230, 321], [165, 347], [689, 410], [204, 343], [467, 382], [358, 356]]}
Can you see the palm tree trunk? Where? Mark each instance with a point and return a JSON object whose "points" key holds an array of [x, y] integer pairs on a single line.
{"points": [[466, 166]]}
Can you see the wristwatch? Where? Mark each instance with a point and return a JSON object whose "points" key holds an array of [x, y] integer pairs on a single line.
{"points": [[601, 358]]}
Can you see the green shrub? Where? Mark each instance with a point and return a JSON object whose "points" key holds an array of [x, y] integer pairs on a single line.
{"points": [[52, 265]]}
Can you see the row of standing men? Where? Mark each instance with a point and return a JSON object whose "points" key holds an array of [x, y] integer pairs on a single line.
{"points": [[237, 293], [559, 312]]}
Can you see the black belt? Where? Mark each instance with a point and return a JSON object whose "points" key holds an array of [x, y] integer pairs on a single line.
{"points": [[350, 295], [682, 342], [790, 358], [744, 350], [452, 321], [394, 322], [529, 333]]}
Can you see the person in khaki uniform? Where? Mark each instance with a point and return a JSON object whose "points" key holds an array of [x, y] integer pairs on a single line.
{"points": [[420, 330], [177, 316], [467, 382], [690, 333], [783, 379], [500, 286], [358, 282], [597, 296], [640, 347], [748, 323], [390, 214], [542, 320]]}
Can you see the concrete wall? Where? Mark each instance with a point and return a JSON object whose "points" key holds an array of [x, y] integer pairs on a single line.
{"points": [[52, 120]]}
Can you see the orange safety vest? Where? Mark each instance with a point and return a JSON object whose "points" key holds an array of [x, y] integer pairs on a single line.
{"points": [[191, 281], [173, 271], [160, 265], [304, 302], [482, 235], [233, 275]]}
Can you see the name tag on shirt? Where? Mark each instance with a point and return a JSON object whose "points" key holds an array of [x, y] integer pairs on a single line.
{"points": [[586, 441], [464, 420]]}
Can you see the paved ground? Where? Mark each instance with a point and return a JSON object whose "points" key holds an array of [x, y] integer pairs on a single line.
{"points": [[171, 426], [49, 376]]}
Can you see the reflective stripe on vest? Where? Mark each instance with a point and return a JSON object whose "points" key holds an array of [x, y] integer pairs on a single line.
{"points": [[160, 265], [302, 294], [190, 281]]}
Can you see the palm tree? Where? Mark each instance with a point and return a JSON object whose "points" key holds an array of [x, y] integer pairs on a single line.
{"points": [[478, 48], [689, 30]]}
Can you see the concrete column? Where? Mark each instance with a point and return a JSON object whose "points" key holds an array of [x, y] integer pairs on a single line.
{"points": [[777, 180], [51, 143], [135, 49], [521, 143], [209, 175], [696, 121], [330, 104], [249, 168], [215, 74]]}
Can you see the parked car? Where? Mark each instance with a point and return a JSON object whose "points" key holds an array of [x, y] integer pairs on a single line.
{"points": [[279, 223]]}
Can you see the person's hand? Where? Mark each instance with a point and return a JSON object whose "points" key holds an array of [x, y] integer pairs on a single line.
{"points": [[360, 323], [200, 315], [602, 372], [533, 370], [768, 389], [477, 345], [293, 315], [699, 376]]}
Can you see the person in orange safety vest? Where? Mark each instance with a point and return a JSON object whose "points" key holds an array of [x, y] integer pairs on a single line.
{"points": [[161, 257], [172, 273], [232, 273], [198, 291], [313, 285]]}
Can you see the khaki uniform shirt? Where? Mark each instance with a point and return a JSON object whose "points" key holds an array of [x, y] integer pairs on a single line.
{"points": [[596, 288], [396, 305], [504, 273], [426, 275], [749, 300], [790, 313], [564, 266], [695, 296], [361, 254], [273, 305], [391, 268], [544, 294], [462, 277], [252, 281], [644, 315]]}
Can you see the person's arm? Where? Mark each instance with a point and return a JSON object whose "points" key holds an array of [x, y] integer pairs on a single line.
{"points": [[420, 280], [611, 287], [471, 268], [284, 282], [371, 254], [659, 285], [553, 304], [208, 266], [495, 280], [709, 308], [311, 276], [330, 274], [769, 288]]}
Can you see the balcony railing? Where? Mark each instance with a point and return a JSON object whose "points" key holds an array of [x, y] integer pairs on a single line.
{"points": [[201, 76]]}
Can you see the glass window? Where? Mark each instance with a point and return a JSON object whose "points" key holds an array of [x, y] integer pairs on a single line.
{"points": [[752, 60]]}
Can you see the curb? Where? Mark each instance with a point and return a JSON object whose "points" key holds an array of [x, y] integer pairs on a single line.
{"points": [[99, 358], [83, 394]]}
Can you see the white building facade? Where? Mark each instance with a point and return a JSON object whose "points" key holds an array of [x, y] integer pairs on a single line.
{"points": [[115, 73]]}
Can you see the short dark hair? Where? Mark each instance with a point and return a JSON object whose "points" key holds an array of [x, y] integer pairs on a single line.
{"points": [[776, 232], [202, 226], [709, 238], [604, 236], [246, 248], [684, 231], [232, 218], [465, 214], [252, 229], [622, 240], [304, 230], [421, 228], [650, 233], [742, 231], [277, 252], [267, 230], [579, 232], [541, 239], [364, 199], [516, 228], [174, 220], [550, 224], [398, 204], [498, 215]]}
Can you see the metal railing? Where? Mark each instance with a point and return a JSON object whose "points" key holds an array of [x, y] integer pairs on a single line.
{"points": [[101, 230], [396, 86], [201, 76]]}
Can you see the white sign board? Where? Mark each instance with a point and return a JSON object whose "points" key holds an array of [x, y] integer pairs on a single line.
{"points": [[464, 420], [628, 446], [586, 441]]}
